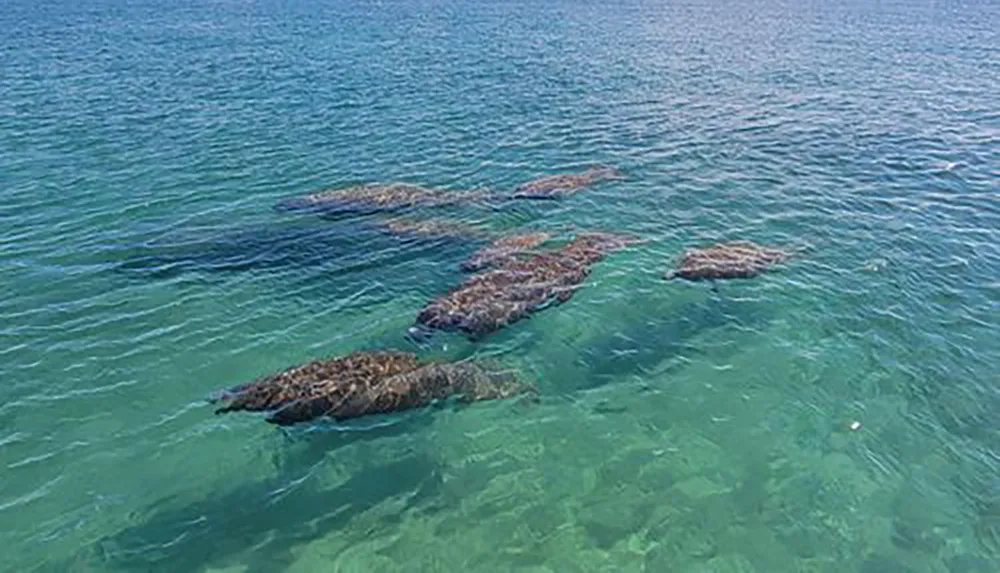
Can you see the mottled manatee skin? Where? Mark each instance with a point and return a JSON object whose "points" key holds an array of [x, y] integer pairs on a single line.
{"points": [[503, 250], [559, 186], [493, 299], [730, 260], [376, 198], [362, 384]]}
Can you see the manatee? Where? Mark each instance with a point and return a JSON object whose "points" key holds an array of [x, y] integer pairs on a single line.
{"points": [[373, 198], [430, 228], [503, 250], [490, 300], [727, 260], [365, 383], [559, 186]]}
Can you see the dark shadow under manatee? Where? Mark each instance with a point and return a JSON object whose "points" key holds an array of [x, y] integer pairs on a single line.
{"points": [[320, 244], [650, 339], [333, 242], [321, 260], [260, 523]]}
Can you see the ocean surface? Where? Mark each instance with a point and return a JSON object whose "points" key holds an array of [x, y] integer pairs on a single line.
{"points": [[143, 266]]}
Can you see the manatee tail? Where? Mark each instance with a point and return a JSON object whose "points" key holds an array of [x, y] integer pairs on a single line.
{"points": [[611, 173], [294, 204], [796, 250]]}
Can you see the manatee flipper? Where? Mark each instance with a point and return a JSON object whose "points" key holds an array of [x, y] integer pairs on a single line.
{"points": [[565, 295], [419, 334]]}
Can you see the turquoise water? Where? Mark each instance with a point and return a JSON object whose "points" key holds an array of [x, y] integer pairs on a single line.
{"points": [[143, 145]]}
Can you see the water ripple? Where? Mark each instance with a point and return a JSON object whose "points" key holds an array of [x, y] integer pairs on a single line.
{"points": [[143, 266]]}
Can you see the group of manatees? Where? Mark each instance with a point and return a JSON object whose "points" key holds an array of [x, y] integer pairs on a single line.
{"points": [[510, 278]]}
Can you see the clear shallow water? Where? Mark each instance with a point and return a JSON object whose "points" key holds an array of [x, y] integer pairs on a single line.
{"points": [[143, 267]]}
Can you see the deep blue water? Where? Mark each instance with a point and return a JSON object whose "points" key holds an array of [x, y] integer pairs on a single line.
{"points": [[144, 145]]}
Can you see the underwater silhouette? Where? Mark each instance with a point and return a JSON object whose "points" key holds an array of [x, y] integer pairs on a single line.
{"points": [[252, 526], [563, 185], [407, 227], [503, 250]]}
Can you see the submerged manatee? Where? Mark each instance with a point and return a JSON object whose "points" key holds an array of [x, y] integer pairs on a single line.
{"points": [[558, 186], [490, 300], [503, 250], [373, 198], [431, 228], [365, 383], [728, 260]]}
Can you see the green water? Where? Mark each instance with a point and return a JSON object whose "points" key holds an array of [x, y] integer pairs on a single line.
{"points": [[142, 267]]}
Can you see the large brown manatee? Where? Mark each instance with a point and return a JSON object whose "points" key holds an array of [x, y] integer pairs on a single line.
{"points": [[492, 299], [366, 383]]}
